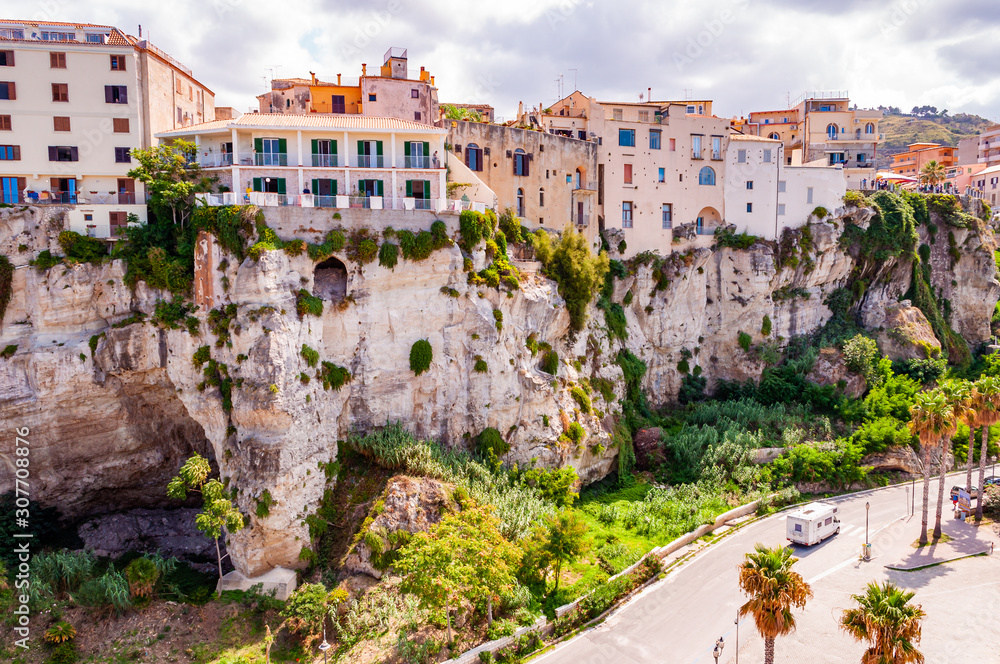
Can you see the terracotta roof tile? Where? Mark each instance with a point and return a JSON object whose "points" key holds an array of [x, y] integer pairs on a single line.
{"points": [[750, 137], [311, 121]]}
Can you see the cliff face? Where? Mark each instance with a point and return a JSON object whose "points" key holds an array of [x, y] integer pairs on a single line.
{"points": [[109, 430]]}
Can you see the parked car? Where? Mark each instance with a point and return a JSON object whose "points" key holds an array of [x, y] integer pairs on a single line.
{"points": [[955, 489], [992, 479]]}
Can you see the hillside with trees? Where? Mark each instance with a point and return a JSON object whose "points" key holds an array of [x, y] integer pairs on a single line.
{"points": [[924, 124]]}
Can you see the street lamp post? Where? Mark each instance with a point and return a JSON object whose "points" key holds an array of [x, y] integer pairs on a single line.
{"points": [[737, 623], [717, 653], [323, 647], [867, 545]]}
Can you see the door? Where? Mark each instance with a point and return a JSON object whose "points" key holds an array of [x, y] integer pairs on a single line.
{"points": [[126, 191], [63, 189], [579, 211], [12, 188]]}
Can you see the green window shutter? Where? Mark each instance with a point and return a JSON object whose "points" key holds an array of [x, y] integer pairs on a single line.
{"points": [[281, 185], [257, 184], [378, 184], [258, 144], [361, 148], [409, 188], [282, 145], [333, 147], [334, 186], [427, 149], [406, 149], [315, 144], [378, 148], [315, 187], [427, 189]]}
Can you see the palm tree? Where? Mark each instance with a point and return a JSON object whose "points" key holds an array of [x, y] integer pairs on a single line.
{"points": [[932, 172], [931, 417], [884, 619], [959, 395], [766, 576], [989, 414]]}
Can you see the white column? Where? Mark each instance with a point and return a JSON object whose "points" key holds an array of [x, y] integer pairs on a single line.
{"points": [[298, 136], [302, 183], [347, 151], [442, 186], [238, 187], [392, 147], [236, 149]]}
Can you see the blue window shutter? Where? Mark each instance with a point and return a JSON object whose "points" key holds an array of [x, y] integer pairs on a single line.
{"points": [[409, 188]]}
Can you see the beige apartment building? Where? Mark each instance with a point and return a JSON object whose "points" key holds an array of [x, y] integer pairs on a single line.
{"points": [[989, 146], [75, 99], [549, 180], [660, 165], [821, 128]]}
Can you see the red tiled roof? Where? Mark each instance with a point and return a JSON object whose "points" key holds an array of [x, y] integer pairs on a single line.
{"points": [[310, 121], [12, 21]]}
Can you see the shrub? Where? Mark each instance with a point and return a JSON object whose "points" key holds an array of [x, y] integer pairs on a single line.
{"points": [[745, 340], [200, 357], [332, 243], [575, 268], [490, 444], [550, 362], [820, 212], [498, 317], [614, 318], [581, 398], [6, 284], [307, 608], [855, 199], [861, 355], [311, 356], [725, 237], [765, 327], [61, 632], [171, 314], [8, 351], [333, 376], [421, 355], [362, 247], [575, 432], [45, 260], [474, 227], [82, 248], [142, 576], [264, 504], [308, 304], [388, 255], [480, 366]]}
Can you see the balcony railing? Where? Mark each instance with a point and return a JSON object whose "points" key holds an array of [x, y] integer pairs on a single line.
{"points": [[215, 160], [697, 154], [589, 185], [416, 162], [270, 159], [716, 156], [262, 199], [324, 160], [370, 161], [360, 202]]}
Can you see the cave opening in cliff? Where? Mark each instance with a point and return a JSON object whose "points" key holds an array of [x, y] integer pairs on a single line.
{"points": [[330, 280]]}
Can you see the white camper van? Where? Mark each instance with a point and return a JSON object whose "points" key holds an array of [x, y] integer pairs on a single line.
{"points": [[812, 524]]}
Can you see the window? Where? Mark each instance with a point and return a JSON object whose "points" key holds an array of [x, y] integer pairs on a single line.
{"points": [[520, 162], [271, 151], [10, 152], [520, 202], [869, 128], [88, 216], [661, 174], [654, 139], [57, 60], [643, 116], [628, 173], [836, 158], [58, 36], [420, 191], [741, 156], [673, 144], [749, 207], [831, 131], [798, 527], [60, 92], [828, 521], [696, 146], [120, 125], [6, 58], [371, 96], [115, 94], [337, 104], [781, 209], [749, 184], [122, 156], [668, 214], [416, 116], [767, 156], [5, 123], [414, 93], [627, 214], [616, 114], [690, 110], [716, 148], [781, 186], [774, 135], [63, 153], [541, 197], [60, 124], [11, 33], [180, 115], [93, 38], [626, 138], [474, 157], [767, 120], [706, 176], [117, 63], [809, 195]]}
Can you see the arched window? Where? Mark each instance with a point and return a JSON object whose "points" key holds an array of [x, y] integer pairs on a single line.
{"points": [[869, 128], [831, 130], [774, 135], [579, 179], [520, 162], [706, 175], [520, 202], [541, 196], [474, 157]]}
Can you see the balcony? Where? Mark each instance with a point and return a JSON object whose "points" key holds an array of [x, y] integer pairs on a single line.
{"points": [[716, 156], [263, 199], [416, 162], [588, 186], [270, 159], [697, 154], [324, 160], [221, 160], [122, 198], [370, 161]]}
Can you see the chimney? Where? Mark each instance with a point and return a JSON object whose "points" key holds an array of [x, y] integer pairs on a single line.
{"points": [[338, 79], [520, 108], [649, 94], [432, 81], [421, 69], [313, 74], [364, 69], [140, 31]]}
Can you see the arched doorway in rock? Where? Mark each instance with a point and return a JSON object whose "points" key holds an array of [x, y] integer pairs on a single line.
{"points": [[330, 280]]}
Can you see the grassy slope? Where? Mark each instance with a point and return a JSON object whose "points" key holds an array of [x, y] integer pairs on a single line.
{"points": [[901, 130]]}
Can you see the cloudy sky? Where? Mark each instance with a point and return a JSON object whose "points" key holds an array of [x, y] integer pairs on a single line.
{"points": [[745, 54]]}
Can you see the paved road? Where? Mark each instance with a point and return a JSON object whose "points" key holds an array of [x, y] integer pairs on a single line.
{"points": [[678, 619]]}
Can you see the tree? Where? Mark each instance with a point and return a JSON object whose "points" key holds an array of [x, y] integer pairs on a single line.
{"points": [[931, 419], [306, 610], [933, 172], [218, 512], [989, 413], [885, 619], [959, 395], [574, 267], [564, 541], [172, 178], [455, 113], [463, 557], [766, 576]]}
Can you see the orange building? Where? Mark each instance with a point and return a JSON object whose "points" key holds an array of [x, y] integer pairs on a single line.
{"points": [[916, 157]]}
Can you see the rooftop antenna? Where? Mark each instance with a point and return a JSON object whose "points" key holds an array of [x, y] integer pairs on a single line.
{"points": [[788, 100], [574, 80], [687, 94]]}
